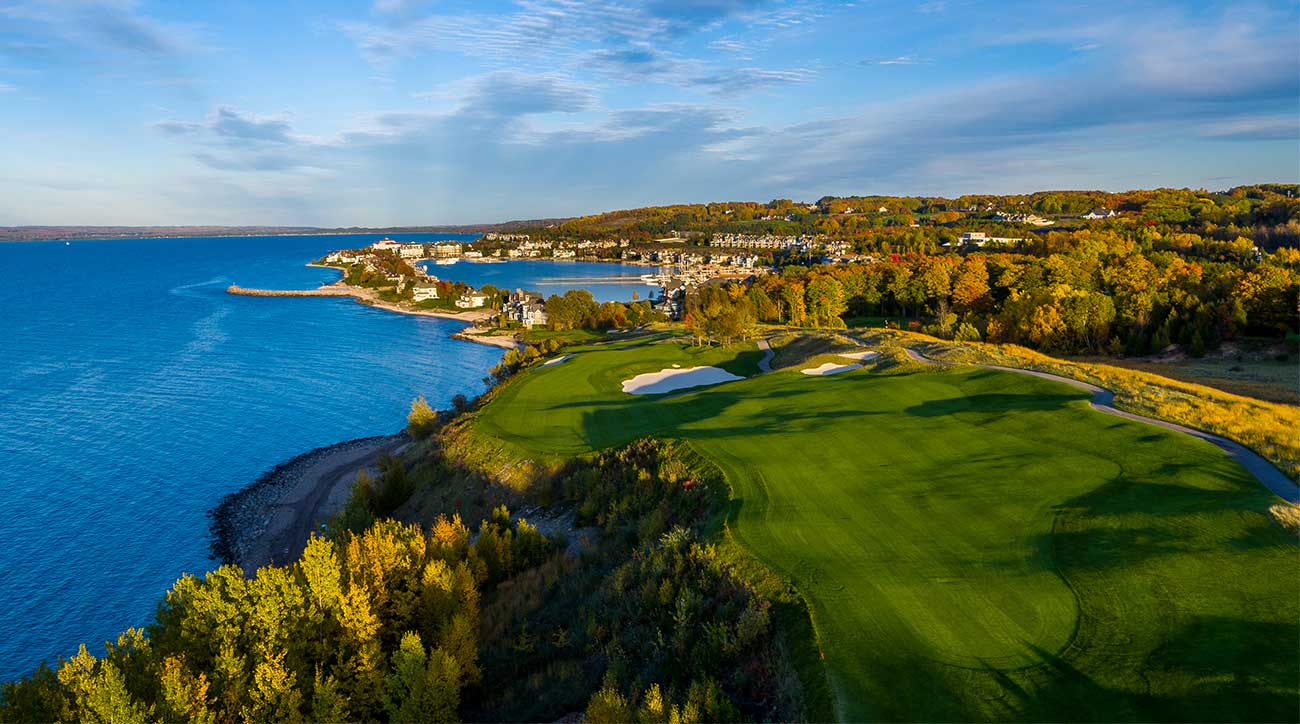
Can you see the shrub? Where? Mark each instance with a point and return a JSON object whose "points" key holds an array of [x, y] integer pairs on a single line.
{"points": [[422, 419]]}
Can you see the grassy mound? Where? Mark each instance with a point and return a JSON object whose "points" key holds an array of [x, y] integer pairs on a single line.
{"points": [[971, 543]]}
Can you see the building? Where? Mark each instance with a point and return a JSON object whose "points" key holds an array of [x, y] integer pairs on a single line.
{"points": [[672, 300], [979, 238], [342, 257], [446, 251], [525, 308], [1033, 219], [471, 299], [564, 254], [411, 251], [423, 291], [1099, 214], [386, 244]]}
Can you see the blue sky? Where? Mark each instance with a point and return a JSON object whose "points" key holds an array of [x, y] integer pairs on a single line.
{"points": [[439, 111]]}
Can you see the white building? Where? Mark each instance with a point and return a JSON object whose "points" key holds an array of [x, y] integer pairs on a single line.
{"points": [[411, 251], [979, 238], [424, 291], [386, 244], [1099, 214], [471, 300]]}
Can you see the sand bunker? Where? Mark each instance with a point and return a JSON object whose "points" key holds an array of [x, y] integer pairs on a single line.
{"points": [[830, 368], [555, 361], [865, 354], [668, 380]]}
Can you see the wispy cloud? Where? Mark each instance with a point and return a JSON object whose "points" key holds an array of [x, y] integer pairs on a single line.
{"points": [[118, 26], [897, 60], [743, 80], [7, 88]]}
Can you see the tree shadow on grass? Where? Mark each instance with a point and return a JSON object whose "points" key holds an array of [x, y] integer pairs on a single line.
{"points": [[991, 402]]}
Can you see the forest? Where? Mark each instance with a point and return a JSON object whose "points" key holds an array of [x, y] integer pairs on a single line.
{"points": [[1089, 291]]}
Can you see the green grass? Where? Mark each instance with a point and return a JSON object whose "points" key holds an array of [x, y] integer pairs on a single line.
{"points": [[971, 544], [568, 336]]}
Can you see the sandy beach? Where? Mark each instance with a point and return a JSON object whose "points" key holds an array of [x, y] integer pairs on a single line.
{"points": [[269, 521]]}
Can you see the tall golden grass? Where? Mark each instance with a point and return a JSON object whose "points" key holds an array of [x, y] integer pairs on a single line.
{"points": [[1271, 429]]}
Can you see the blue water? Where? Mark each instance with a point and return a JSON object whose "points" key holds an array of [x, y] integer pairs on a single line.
{"points": [[552, 277], [135, 393]]}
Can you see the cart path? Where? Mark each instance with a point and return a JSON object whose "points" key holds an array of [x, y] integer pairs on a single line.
{"points": [[765, 364]]}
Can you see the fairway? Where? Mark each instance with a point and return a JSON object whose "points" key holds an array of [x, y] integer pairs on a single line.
{"points": [[973, 544]]}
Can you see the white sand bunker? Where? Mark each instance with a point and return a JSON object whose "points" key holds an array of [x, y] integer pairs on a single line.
{"points": [[864, 354], [555, 361], [668, 380], [830, 368]]}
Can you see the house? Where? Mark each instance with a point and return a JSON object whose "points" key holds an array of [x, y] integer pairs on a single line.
{"points": [[525, 308], [386, 244], [564, 254], [672, 301], [424, 291], [1099, 214], [446, 251], [471, 254], [471, 300], [411, 251]]}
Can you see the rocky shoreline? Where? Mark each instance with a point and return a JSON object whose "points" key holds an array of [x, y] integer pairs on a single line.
{"points": [[241, 521]]}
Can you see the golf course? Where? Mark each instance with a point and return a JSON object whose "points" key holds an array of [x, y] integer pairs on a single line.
{"points": [[971, 543]]}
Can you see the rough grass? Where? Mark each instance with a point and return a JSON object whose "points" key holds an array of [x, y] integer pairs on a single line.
{"points": [[1268, 428], [1266, 379], [971, 544], [793, 350]]}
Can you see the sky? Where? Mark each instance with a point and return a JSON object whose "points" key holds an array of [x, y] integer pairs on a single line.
{"points": [[421, 112]]}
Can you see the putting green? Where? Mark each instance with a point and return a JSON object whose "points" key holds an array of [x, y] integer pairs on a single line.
{"points": [[972, 543]]}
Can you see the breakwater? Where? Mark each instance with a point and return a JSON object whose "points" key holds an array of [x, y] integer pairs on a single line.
{"points": [[321, 292]]}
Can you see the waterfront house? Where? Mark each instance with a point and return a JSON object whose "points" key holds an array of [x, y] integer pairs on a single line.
{"points": [[423, 291], [471, 299], [525, 308], [1099, 214], [411, 251], [386, 244]]}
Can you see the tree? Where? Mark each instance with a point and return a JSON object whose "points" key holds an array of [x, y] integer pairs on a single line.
{"points": [[424, 687], [970, 289], [422, 419], [826, 303], [792, 298]]}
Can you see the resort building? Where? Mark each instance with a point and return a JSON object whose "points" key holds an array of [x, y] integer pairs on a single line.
{"points": [[411, 251], [386, 244]]}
